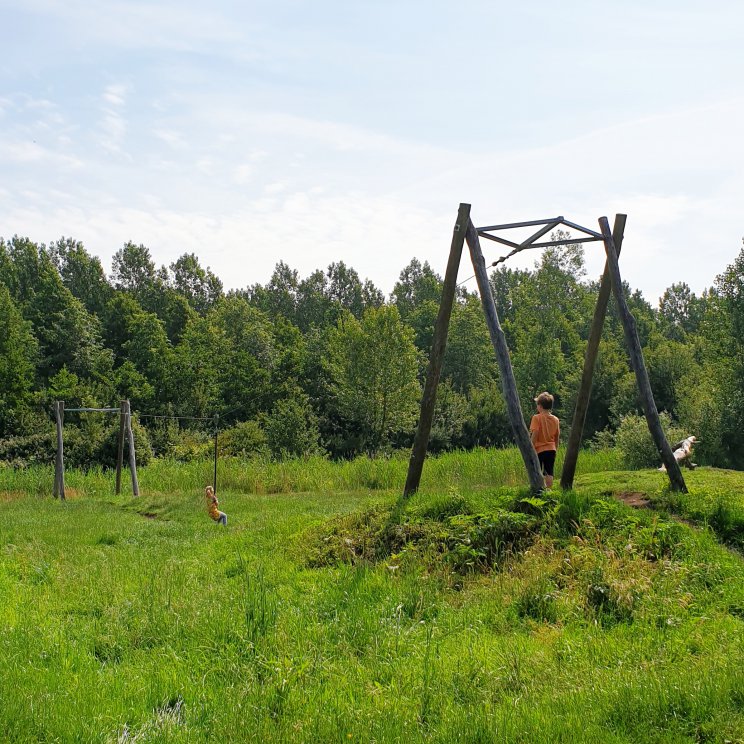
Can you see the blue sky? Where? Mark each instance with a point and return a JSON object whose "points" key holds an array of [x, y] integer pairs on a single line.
{"points": [[253, 132]]}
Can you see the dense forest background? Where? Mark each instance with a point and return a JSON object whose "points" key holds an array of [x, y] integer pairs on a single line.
{"points": [[327, 364]]}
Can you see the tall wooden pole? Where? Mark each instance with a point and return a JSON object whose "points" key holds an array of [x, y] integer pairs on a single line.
{"points": [[59, 461], [439, 344], [120, 445], [592, 348], [639, 366], [132, 457], [508, 383]]}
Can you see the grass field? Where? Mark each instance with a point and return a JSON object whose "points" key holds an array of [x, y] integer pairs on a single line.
{"points": [[477, 615]]}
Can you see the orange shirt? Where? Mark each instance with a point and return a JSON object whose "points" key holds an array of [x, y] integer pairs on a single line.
{"points": [[212, 503], [545, 430]]}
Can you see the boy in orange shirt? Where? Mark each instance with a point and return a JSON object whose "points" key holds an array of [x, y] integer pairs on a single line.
{"points": [[545, 430], [212, 503]]}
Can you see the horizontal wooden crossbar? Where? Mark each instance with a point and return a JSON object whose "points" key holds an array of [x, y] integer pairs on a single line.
{"points": [[92, 410], [548, 225]]}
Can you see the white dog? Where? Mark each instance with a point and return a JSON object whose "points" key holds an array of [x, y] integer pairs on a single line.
{"points": [[683, 453]]}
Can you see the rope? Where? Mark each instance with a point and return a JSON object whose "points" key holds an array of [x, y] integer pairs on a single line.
{"points": [[185, 418], [490, 266]]}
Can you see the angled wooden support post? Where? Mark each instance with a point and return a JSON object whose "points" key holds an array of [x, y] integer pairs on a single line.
{"points": [[592, 348], [59, 460], [120, 445], [132, 457], [639, 366], [508, 384], [439, 344]]}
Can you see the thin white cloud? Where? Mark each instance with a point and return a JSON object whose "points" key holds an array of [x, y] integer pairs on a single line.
{"points": [[264, 165], [113, 123], [172, 138]]}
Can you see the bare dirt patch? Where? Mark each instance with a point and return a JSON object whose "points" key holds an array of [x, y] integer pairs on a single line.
{"points": [[635, 499]]}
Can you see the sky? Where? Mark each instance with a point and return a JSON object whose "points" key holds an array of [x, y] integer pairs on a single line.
{"points": [[251, 132]]}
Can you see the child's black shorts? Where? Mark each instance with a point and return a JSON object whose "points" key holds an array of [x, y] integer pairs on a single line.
{"points": [[547, 460]]}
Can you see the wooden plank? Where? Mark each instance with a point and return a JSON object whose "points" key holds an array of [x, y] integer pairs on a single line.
{"points": [[132, 457], [497, 239], [639, 366], [568, 223], [508, 383], [120, 445], [567, 241], [511, 225], [546, 229], [592, 348], [438, 347], [92, 410]]}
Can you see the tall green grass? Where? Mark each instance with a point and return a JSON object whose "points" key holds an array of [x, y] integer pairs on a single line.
{"points": [[473, 469], [121, 627]]}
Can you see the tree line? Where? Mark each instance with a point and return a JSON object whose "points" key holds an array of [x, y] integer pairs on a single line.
{"points": [[327, 364]]}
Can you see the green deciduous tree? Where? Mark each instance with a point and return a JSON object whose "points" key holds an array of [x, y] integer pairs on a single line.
{"points": [[374, 366], [67, 334], [680, 312], [247, 356], [18, 350], [81, 273], [199, 286], [133, 271], [416, 285], [549, 315], [469, 360], [292, 428]]}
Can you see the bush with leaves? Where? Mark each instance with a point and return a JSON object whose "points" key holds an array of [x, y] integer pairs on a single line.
{"points": [[292, 428], [108, 448], [634, 441], [245, 439]]}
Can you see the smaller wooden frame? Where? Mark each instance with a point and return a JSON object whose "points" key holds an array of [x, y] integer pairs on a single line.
{"points": [[125, 429]]}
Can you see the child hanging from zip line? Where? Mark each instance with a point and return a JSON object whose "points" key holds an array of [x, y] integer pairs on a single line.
{"points": [[219, 516], [545, 431]]}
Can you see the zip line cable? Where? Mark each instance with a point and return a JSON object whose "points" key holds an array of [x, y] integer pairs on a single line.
{"points": [[186, 418]]}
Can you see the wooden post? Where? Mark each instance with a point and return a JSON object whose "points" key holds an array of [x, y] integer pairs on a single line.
{"points": [[132, 458], [508, 384], [595, 335], [59, 461], [120, 445], [438, 346], [639, 366]]}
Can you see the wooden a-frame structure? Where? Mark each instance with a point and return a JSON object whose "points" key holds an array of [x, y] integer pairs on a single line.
{"points": [[125, 430], [465, 231]]}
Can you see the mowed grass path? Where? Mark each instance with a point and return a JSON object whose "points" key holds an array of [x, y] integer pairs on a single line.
{"points": [[128, 620]]}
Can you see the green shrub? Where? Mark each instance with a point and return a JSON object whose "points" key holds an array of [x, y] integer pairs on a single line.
{"points": [[634, 441], [243, 440], [83, 447], [107, 450], [192, 445], [602, 440], [26, 450], [292, 428], [481, 540]]}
